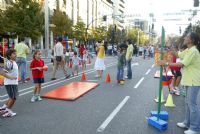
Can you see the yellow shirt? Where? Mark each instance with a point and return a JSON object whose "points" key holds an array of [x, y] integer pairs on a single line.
{"points": [[101, 52], [129, 52], [191, 70], [22, 50]]}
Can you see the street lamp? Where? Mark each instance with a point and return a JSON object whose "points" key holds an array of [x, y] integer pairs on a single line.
{"points": [[46, 27]]}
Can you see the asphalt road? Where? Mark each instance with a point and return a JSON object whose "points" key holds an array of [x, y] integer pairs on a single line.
{"points": [[108, 109]]}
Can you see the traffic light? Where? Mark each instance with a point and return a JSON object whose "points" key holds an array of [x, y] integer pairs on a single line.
{"points": [[104, 18], [196, 3]]}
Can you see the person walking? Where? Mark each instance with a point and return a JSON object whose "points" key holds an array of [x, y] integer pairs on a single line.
{"points": [[22, 52], [59, 59], [190, 62], [129, 54]]}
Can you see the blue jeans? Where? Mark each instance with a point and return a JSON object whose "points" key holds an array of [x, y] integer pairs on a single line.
{"points": [[192, 119], [129, 70], [120, 73], [21, 62]]}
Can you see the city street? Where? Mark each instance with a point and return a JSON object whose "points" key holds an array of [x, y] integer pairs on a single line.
{"points": [[107, 109]]}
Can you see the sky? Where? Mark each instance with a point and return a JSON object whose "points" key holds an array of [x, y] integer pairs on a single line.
{"points": [[160, 8]]}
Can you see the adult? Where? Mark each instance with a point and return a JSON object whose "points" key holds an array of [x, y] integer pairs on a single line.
{"points": [[99, 64], [22, 51], [129, 54], [190, 62], [59, 59]]}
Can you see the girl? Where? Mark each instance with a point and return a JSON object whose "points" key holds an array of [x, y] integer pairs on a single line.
{"points": [[37, 73], [99, 64], [120, 66], [67, 56], [85, 55]]}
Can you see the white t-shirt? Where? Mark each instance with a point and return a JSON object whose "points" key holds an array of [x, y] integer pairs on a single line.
{"points": [[58, 49], [12, 68]]}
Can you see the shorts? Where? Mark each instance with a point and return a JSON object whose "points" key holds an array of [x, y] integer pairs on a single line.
{"points": [[12, 91], [75, 67], [38, 80], [176, 73]]}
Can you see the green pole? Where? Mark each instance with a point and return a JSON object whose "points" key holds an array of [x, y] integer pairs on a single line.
{"points": [[161, 72]]}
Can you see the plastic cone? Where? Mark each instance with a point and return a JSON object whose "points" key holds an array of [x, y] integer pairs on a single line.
{"points": [[169, 102], [83, 77], [162, 98], [108, 79]]}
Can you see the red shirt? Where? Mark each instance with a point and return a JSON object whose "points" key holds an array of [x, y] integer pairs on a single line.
{"points": [[174, 61], [81, 50], [37, 73]]}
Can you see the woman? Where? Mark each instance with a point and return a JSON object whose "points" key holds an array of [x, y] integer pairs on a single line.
{"points": [[99, 64], [190, 62]]}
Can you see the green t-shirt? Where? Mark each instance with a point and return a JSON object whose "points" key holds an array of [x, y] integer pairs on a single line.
{"points": [[22, 50], [191, 70]]}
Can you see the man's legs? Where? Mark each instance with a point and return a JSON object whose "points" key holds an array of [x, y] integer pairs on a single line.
{"points": [[55, 67], [129, 70], [23, 69]]}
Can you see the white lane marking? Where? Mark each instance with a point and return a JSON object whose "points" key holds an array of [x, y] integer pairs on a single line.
{"points": [[139, 82], [153, 66], [1, 96], [112, 115], [55, 83], [147, 71], [93, 80]]}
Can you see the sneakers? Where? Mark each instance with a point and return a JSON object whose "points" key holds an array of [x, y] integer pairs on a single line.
{"points": [[182, 125], [175, 91], [39, 98], [189, 131], [34, 98], [126, 77], [9, 113]]}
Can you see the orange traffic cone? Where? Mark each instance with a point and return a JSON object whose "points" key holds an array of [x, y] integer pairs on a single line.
{"points": [[89, 61], [108, 79], [83, 77]]}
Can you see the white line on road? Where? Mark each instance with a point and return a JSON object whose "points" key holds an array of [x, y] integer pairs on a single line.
{"points": [[147, 71], [139, 82], [152, 66], [112, 115]]}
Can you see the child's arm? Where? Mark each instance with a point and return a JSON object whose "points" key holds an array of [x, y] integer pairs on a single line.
{"points": [[3, 73]]}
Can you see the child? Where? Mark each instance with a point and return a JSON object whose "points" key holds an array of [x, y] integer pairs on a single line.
{"points": [[121, 65], [176, 72], [67, 56], [37, 73], [71, 54], [11, 85], [75, 61], [84, 60]]}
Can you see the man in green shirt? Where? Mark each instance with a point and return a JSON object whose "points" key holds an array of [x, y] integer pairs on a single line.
{"points": [[22, 51]]}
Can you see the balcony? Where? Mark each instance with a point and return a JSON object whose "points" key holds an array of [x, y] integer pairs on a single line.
{"points": [[121, 5], [110, 1], [121, 11], [122, 1]]}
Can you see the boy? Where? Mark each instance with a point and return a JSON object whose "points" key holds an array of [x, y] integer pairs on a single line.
{"points": [[75, 61], [120, 66], [10, 84]]}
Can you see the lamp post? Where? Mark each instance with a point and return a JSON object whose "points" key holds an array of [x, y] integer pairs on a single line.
{"points": [[46, 27]]}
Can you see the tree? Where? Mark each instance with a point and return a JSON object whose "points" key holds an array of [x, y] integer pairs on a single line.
{"points": [[99, 33], [63, 23], [24, 17], [79, 31]]}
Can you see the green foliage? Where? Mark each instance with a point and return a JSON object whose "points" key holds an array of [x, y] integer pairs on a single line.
{"points": [[24, 18], [79, 30], [63, 24], [99, 33]]}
